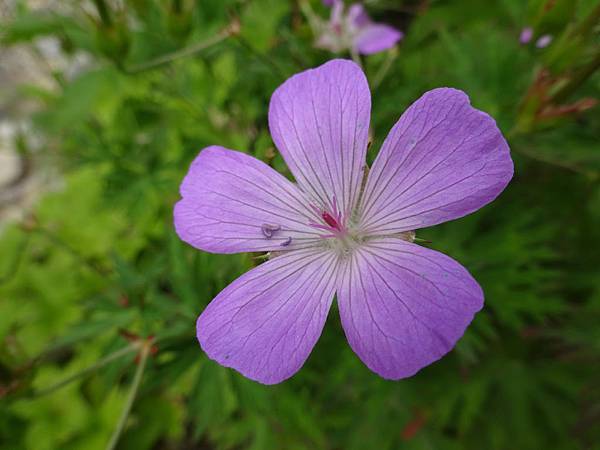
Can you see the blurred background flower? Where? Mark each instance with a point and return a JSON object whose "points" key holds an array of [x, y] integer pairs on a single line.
{"points": [[352, 30], [526, 35], [543, 41]]}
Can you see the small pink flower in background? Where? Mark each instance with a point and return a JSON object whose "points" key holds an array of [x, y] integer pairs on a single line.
{"points": [[402, 306], [526, 35], [354, 30], [544, 41]]}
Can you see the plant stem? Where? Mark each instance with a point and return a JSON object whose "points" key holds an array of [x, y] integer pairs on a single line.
{"points": [[187, 51], [54, 239], [313, 19], [578, 79], [554, 162], [104, 361], [385, 67], [103, 12], [262, 58], [137, 378], [356, 58], [589, 22]]}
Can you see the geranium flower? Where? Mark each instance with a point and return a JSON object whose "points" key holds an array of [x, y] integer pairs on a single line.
{"points": [[354, 31], [340, 231]]}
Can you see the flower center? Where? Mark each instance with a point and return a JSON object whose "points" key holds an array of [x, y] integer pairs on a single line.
{"points": [[334, 222], [338, 232]]}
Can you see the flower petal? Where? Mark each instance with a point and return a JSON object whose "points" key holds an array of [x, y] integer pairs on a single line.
{"points": [[357, 16], [404, 306], [319, 120], [336, 12], [376, 37], [228, 198], [266, 322], [442, 160]]}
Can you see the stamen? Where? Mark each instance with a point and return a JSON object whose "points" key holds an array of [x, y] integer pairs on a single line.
{"points": [[287, 242], [269, 229]]}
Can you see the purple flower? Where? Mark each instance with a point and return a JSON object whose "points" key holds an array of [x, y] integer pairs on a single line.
{"points": [[544, 41], [355, 31], [340, 230], [526, 35]]}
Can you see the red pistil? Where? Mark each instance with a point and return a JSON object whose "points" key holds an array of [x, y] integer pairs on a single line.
{"points": [[331, 221], [334, 222]]}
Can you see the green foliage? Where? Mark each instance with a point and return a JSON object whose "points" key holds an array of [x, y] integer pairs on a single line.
{"points": [[97, 271]]}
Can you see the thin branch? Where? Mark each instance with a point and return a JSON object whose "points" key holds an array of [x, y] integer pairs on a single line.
{"points": [[261, 57], [554, 162], [228, 31], [356, 58], [54, 239], [101, 363], [313, 19], [392, 54], [137, 378], [577, 79]]}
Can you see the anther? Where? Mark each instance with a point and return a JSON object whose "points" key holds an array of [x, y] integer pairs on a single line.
{"points": [[287, 242], [269, 229]]}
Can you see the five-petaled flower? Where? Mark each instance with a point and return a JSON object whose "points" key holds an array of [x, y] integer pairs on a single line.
{"points": [[354, 31], [340, 231]]}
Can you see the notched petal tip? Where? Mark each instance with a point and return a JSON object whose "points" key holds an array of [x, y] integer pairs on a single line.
{"points": [[442, 160], [319, 121], [333, 66], [502, 146]]}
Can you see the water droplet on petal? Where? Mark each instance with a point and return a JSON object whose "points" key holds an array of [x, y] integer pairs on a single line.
{"points": [[412, 143]]}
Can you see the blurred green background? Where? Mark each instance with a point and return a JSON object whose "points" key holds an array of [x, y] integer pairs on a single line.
{"points": [[91, 271]]}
